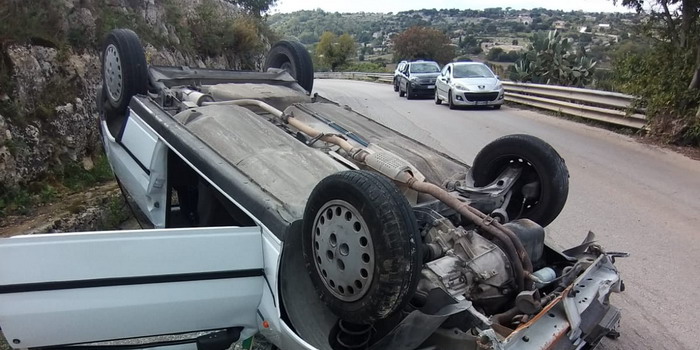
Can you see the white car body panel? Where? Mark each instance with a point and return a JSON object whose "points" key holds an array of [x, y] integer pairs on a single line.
{"points": [[139, 139], [77, 287]]}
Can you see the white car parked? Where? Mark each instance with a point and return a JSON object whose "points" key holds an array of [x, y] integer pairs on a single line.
{"points": [[468, 84]]}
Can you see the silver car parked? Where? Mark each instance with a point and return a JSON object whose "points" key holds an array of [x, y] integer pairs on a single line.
{"points": [[468, 84]]}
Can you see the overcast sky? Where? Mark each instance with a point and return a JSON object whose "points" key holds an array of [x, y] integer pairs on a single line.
{"points": [[403, 5]]}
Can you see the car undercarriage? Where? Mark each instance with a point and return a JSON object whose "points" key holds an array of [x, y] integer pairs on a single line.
{"points": [[383, 241]]}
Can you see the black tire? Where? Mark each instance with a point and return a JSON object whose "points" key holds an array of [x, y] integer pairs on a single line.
{"points": [[497, 107], [124, 69], [438, 101], [449, 100], [396, 85], [388, 227], [293, 57], [401, 92], [540, 163], [409, 93]]}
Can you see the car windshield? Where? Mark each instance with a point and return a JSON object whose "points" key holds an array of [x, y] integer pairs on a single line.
{"points": [[424, 68], [472, 71]]}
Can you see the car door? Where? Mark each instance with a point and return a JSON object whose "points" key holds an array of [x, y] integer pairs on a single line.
{"points": [[72, 288], [404, 77], [139, 158], [441, 84]]}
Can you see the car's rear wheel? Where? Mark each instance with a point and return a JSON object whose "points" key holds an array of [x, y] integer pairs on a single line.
{"points": [[124, 69], [292, 57], [360, 241], [541, 191], [396, 85]]}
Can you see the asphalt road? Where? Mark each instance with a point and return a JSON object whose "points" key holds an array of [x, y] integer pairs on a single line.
{"points": [[637, 198]]}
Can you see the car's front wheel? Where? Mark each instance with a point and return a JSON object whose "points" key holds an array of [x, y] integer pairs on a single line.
{"points": [[437, 98], [541, 191], [361, 246], [450, 103]]}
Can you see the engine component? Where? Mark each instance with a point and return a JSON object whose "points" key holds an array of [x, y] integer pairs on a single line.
{"points": [[470, 265], [195, 97], [546, 275], [531, 235], [527, 302]]}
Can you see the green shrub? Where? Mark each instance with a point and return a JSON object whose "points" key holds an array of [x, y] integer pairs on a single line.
{"points": [[658, 73], [550, 60]]}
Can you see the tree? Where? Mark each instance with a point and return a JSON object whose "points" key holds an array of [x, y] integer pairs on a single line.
{"points": [[423, 43], [494, 53], [335, 51], [666, 73], [254, 6]]}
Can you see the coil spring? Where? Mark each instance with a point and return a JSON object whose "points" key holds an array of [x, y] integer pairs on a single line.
{"points": [[353, 336]]}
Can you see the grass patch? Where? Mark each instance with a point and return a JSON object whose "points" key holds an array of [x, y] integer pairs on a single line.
{"points": [[117, 211], [75, 178], [3, 343], [71, 177]]}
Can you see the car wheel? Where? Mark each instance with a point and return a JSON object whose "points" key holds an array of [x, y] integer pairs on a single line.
{"points": [[438, 101], [409, 93], [361, 245], [292, 57], [497, 107], [401, 92], [396, 85], [449, 100], [124, 69], [544, 176]]}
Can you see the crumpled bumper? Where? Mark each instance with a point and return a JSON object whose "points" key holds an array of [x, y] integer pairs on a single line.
{"points": [[581, 315]]}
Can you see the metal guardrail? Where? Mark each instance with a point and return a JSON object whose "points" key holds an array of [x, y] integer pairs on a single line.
{"points": [[380, 77], [603, 106]]}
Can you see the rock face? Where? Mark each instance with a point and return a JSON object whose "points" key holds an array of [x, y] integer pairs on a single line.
{"points": [[48, 115], [43, 133]]}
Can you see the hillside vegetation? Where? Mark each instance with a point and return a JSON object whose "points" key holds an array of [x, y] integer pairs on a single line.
{"points": [[50, 73]]}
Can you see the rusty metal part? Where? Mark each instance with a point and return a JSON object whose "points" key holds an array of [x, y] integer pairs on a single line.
{"points": [[356, 153], [505, 317]]}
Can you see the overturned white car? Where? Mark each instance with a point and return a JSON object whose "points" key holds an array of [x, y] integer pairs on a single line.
{"points": [[276, 212]]}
